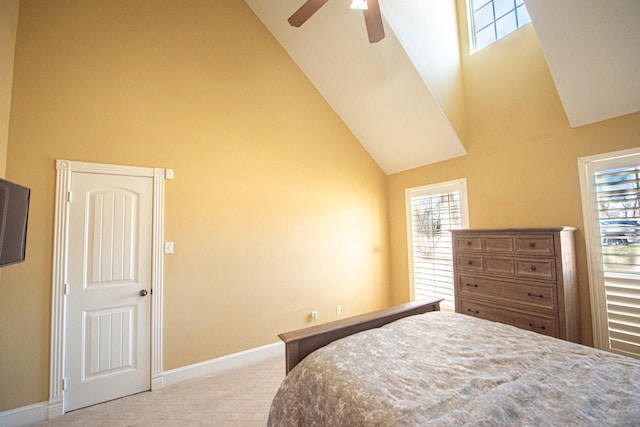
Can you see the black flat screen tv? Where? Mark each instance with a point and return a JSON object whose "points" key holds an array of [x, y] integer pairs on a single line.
{"points": [[14, 212]]}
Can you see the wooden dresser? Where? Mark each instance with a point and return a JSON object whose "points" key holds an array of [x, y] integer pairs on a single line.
{"points": [[523, 277]]}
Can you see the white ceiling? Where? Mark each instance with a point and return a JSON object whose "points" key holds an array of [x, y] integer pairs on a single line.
{"points": [[387, 93], [592, 48], [374, 88]]}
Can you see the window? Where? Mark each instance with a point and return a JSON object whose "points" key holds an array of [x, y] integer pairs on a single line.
{"points": [[491, 20], [610, 186], [432, 211]]}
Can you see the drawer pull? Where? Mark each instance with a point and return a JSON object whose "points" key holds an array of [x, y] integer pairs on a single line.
{"points": [[473, 311], [532, 244], [472, 285], [468, 242], [533, 268], [469, 262], [531, 325], [529, 294]]}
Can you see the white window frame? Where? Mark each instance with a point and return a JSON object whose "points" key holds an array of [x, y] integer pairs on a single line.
{"points": [[471, 25], [459, 185], [588, 166]]}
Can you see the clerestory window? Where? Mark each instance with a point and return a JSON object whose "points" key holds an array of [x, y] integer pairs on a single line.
{"points": [[490, 20]]}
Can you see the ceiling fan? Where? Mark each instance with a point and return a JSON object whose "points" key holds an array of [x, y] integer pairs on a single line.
{"points": [[371, 9]]}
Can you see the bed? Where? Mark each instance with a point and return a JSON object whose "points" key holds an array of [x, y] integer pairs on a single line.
{"points": [[441, 368]]}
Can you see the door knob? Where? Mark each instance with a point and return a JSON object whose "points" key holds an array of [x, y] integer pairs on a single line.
{"points": [[143, 293]]}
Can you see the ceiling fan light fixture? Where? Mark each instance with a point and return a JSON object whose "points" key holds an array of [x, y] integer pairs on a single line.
{"points": [[359, 4], [372, 16]]}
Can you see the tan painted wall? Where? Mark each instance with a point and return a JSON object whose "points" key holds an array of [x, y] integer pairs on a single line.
{"points": [[275, 209], [8, 28], [521, 167]]}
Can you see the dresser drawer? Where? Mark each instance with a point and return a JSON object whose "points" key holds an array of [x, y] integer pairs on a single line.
{"points": [[469, 263], [538, 268], [498, 244], [542, 268], [494, 265], [468, 243], [546, 325], [538, 245], [525, 294]]}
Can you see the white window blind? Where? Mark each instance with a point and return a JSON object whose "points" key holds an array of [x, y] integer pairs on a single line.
{"points": [[432, 212], [618, 198], [610, 185]]}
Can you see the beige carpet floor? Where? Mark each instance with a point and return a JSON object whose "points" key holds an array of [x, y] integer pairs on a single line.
{"points": [[237, 398]]}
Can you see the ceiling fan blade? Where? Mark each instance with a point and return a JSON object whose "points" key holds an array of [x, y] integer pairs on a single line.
{"points": [[301, 15], [373, 19]]}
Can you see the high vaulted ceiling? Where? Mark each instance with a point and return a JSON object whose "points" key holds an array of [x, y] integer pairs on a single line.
{"points": [[375, 88], [592, 48], [394, 94]]}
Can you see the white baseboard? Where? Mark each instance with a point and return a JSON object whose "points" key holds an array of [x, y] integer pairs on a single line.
{"points": [[223, 364], [25, 415], [40, 411]]}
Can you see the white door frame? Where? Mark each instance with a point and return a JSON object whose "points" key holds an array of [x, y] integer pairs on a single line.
{"points": [[586, 168], [64, 171]]}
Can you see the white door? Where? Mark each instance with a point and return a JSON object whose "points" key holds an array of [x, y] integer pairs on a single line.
{"points": [[108, 300]]}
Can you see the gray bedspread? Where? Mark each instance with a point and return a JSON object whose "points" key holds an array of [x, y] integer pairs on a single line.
{"points": [[450, 369]]}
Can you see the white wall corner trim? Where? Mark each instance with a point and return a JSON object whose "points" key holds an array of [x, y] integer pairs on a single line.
{"points": [[24, 415], [224, 364], [64, 172]]}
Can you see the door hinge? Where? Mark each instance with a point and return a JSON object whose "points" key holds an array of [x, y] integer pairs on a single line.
{"points": [[69, 196], [64, 384], [66, 289]]}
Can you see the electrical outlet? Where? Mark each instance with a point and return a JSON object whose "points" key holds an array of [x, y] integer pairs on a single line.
{"points": [[338, 310], [314, 315]]}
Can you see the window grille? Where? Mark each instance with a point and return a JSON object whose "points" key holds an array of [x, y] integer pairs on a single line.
{"points": [[493, 19], [432, 212]]}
